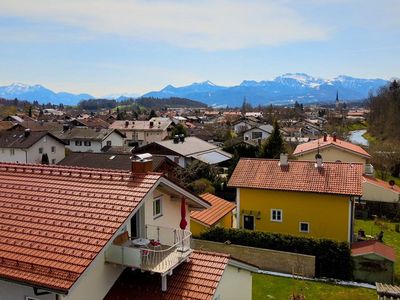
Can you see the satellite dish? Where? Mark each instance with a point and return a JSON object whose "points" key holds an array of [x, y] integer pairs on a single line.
{"points": [[391, 183]]}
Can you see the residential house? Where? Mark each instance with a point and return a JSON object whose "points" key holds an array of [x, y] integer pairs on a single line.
{"points": [[220, 214], [332, 149], [257, 134], [7, 125], [75, 234], [140, 133], [82, 139], [304, 198], [184, 150], [244, 124], [30, 147]]}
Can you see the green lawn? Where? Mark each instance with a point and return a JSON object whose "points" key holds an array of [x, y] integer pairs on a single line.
{"points": [[390, 237], [280, 288]]}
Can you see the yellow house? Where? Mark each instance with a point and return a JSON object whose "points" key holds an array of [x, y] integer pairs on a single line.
{"points": [[332, 149], [220, 214], [303, 198]]}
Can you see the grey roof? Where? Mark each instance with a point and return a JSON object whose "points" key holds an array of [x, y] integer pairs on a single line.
{"points": [[107, 160], [78, 133]]}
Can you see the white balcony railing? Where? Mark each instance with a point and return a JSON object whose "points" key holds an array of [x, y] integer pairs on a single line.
{"points": [[174, 248]]}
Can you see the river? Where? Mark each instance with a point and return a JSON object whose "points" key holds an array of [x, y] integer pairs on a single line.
{"points": [[356, 137]]}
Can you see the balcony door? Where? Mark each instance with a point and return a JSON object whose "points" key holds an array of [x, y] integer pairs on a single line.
{"points": [[138, 224]]}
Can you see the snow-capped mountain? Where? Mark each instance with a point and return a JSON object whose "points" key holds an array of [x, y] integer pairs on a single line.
{"points": [[40, 93], [283, 89]]}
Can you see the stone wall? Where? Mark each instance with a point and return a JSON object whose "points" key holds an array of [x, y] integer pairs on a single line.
{"points": [[264, 259]]}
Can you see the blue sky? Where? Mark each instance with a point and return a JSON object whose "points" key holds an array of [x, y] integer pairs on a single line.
{"points": [[133, 46]]}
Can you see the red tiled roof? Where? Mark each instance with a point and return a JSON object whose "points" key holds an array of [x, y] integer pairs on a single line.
{"points": [[373, 246], [301, 176], [381, 183], [219, 208], [55, 220], [313, 145], [194, 280]]}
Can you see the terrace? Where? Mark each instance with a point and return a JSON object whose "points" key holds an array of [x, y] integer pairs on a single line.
{"points": [[160, 249]]}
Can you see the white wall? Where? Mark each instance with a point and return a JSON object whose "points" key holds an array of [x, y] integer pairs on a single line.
{"points": [[32, 155], [94, 147], [373, 192], [248, 135], [235, 284], [240, 127], [115, 138], [13, 291]]}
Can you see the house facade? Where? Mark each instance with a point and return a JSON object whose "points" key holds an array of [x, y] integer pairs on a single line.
{"points": [[257, 134], [29, 147], [299, 198]]}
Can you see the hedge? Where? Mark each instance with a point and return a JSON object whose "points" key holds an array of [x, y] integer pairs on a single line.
{"points": [[332, 258]]}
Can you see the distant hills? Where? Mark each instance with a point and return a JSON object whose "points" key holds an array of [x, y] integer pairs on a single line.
{"points": [[39, 93], [283, 89]]}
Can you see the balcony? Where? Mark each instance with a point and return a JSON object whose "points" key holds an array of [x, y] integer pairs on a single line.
{"points": [[173, 249]]}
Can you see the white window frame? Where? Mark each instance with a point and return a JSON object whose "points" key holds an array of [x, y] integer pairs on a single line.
{"points": [[272, 214], [159, 214], [308, 227]]}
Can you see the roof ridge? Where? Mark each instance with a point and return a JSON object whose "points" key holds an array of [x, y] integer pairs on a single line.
{"points": [[303, 161], [212, 253]]}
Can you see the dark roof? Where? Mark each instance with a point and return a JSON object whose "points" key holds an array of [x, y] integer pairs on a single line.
{"points": [[6, 125], [43, 126], [17, 139], [196, 279], [108, 161]]}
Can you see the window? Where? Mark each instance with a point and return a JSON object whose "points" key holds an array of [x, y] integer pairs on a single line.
{"points": [[276, 215], [109, 143], [256, 135], [78, 143], [157, 208], [53, 161], [53, 149], [40, 150], [88, 143], [304, 227], [12, 151]]}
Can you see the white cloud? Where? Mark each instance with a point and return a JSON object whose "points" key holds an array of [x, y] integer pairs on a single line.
{"points": [[204, 24]]}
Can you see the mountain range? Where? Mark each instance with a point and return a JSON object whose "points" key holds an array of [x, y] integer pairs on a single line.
{"points": [[283, 89]]}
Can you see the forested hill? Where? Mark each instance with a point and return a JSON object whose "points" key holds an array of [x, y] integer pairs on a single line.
{"points": [[170, 102]]}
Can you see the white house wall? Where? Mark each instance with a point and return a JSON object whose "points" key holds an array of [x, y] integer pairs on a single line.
{"points": [[114, 138], [235, 284], [373, 192], [95, 146], [13, 291], [18, 156]]}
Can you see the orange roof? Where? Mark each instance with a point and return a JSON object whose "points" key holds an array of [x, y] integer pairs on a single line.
{"points": [[381, 183], [373, 247], [300, 176], [196, 279], [313, 145], [55, 220], [219, 208]]}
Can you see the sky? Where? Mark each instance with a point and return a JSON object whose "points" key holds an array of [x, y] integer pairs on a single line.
{"points": [[104, 47]]}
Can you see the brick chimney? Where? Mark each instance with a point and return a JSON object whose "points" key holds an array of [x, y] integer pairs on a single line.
{"points": [[142, 163], [325, 137], [334, 136]]}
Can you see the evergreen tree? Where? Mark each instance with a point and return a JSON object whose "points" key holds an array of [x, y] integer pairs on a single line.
{"points": [[30, 111], [45, 159], [178, 130], [152, 114], [274, 145]]}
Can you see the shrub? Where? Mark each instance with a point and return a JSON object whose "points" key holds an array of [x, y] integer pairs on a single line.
{"points": [[332, 258]]}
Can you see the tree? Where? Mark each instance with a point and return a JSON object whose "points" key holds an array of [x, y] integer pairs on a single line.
{"points": [[385, 158], [30, 112], [179, 129], [274, 145], [202, 186], [152, 114], [195, 171], [45, 159]]}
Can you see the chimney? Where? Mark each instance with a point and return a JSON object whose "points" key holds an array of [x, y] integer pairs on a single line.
{"points": [[176, 139], [126, 124], [65, 127], [27, 132], [283, 159], [142, 163], [182, 138], [325, 137], [334, 136], [319, 163], [151, 124]]}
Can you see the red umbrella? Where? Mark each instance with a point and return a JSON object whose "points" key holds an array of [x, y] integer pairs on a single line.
{"points": [[183, 222]]}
